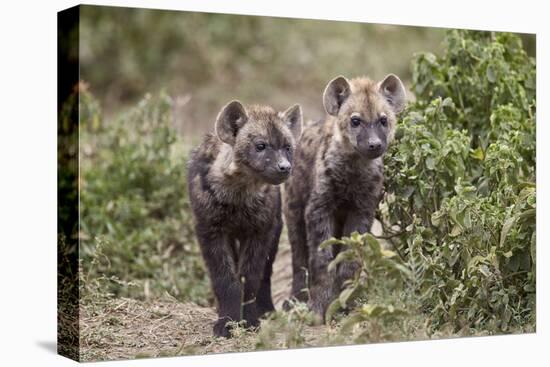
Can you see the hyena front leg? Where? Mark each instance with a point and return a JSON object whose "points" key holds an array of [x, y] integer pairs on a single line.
{"points": [[264, 299], [320, 227], [226, 286], [252, 262], [296, 228]]}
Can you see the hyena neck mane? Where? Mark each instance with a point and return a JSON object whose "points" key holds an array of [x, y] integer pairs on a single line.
{"points": [[233, 182]]}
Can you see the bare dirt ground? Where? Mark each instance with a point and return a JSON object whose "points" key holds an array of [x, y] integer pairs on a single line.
{"points": [[125, 328]]}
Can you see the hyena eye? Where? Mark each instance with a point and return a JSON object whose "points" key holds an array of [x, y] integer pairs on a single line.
{"points": [[384, 120], [260, 147], [287, 147], [355, 121]]}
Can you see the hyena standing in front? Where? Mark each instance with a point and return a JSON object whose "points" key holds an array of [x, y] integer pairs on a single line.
{"points": [[337, 181], [233, 177]]}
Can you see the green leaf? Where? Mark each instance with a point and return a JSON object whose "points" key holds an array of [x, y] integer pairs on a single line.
{"points": [[373, 243], [403, 270], [436, 218], [477, 154], [467, 220], [430, 163], [371, 310], [491, 74], [447, 102], [457, 230], [332, 309], [346, 294], [506, 228], [330, 242], [387, 253], [529, 214], [484, 269], [352, 320], [347, 255], [513, 264]]}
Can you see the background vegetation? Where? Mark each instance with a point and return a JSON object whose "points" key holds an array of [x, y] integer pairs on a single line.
{"points": [[457, 256], [205, 60]]}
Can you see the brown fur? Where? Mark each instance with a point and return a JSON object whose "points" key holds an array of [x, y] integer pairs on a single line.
{"points": [[337, 181], [237, 205]]}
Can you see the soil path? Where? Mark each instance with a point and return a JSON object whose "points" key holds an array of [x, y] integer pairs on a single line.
{"points": [[126, 328]]}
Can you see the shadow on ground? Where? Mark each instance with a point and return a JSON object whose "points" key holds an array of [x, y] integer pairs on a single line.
{"points": [[48, 345]]}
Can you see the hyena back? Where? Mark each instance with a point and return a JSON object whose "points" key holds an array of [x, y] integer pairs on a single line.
{"points": [[232, 180], [337, 180]]}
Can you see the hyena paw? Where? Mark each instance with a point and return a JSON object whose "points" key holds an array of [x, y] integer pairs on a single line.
{"points": [[251, 316], [221, 328], [265, 308], [252, 322], [288, 304]]}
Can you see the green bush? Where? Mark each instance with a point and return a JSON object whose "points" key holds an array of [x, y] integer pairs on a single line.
{"points": [[378, 265], [136, 229], [460, 200]]}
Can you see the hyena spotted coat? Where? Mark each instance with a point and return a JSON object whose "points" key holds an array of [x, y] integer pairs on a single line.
{"points": [[233, 180], [337, 180]]}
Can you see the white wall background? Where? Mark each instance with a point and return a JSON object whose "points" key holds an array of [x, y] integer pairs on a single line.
{"points": [[28, 181]]}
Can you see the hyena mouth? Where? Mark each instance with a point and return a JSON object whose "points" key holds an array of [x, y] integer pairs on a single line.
{"points": [[373, 154], [370, 154], [278, 178]]}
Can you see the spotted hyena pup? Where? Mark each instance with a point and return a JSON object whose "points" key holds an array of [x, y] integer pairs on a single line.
{"points": [[337, 180], [233, 183]]}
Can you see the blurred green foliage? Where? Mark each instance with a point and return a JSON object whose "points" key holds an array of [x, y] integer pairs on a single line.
{"points": [[205, 60], [460, 207]]}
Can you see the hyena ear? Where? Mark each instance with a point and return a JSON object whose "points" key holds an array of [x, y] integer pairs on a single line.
{"points": [[293, 119], [230, 119], [336, 92], [393, 90]]}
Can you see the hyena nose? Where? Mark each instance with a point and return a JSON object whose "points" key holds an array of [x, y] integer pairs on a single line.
{"points": [[284, 166], [374, 144]]}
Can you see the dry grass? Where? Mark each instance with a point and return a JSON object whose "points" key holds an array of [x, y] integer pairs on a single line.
{"points": [[126, 328]]}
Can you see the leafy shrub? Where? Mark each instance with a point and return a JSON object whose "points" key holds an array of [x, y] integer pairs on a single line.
{"points": [[375, 262], [460, 202], [136, 226]]}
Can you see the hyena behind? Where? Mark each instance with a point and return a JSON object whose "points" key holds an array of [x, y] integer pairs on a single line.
{"points": [[337, 180], [233, 177]]}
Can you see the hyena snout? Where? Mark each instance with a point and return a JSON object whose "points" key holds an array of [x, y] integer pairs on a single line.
{"points": [[374, 145], [284, 166], [278, 170]]}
